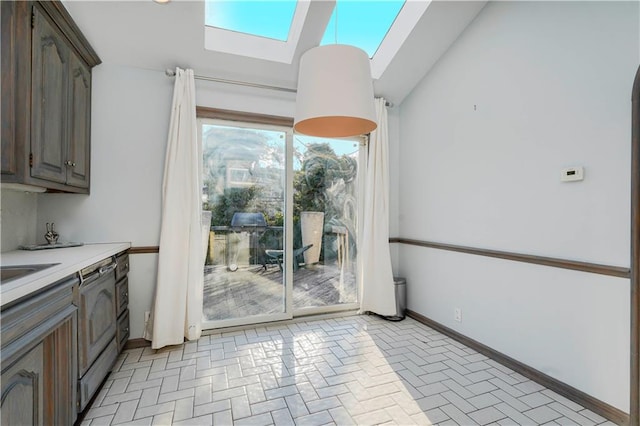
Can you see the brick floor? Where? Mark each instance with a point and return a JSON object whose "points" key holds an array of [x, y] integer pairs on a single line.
{"points": [[351, 370]]}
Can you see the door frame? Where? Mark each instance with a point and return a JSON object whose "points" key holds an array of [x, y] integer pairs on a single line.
{"points": [[362, 167], [634, 411], [288, 236], [280, 123]]}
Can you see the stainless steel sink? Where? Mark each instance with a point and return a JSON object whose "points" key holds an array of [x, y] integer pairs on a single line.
{"points": [[10, 273]]}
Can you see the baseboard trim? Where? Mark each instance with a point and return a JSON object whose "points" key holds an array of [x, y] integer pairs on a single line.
{"points": [[599, 407], [136, 343]]}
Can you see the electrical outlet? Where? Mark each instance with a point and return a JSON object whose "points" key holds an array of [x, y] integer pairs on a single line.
{"points": [[572, 174], [457, 314]]}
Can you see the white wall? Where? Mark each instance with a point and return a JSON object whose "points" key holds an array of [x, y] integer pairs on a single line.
{"points": [[130, 121], [395, 194], [18, 219], [528, 89], [130, 110]]}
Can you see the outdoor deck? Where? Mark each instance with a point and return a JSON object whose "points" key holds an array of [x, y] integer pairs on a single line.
{"points": [[252, 290]]}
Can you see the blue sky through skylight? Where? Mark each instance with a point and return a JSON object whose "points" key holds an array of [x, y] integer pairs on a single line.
{"points": [[362, 23], [271, 19]]}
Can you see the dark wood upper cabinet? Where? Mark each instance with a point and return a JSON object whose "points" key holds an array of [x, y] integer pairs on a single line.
{"points": [[49, 116], [78, 152], [46, 97]]}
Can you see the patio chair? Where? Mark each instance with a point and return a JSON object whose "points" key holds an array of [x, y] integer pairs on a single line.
{"points": [[278, 256]]}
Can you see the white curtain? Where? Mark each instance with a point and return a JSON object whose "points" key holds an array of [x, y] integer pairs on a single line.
{"points": [[177, 309], [377, 287]]}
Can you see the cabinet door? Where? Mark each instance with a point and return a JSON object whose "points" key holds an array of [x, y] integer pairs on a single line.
{"points": [[61, 378], [79, 122], [122, 334], [122, 296], [9, 78], [49, 79], [23, 390], [122, 269]]}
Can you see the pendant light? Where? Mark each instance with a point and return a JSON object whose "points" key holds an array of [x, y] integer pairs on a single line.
{"points": [[335, 91]]}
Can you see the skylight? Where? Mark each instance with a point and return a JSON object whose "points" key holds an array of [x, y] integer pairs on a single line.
{"points": [[270, 19], [363, 24], [272, 29], [267, 29]]}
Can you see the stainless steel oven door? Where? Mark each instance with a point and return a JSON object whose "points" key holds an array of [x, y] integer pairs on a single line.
{"points": [[96, 315]]}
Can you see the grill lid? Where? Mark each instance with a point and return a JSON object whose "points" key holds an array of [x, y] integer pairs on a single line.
{"points": [[242, 219]]}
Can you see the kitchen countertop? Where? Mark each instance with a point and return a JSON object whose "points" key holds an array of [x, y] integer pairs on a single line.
{"points": [[71, 260]]}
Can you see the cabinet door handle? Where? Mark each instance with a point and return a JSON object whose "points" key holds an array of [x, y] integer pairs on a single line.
{"points": [[69, 163]]}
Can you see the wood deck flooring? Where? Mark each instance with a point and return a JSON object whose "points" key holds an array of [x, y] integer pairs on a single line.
{"points": [[253, 290]]}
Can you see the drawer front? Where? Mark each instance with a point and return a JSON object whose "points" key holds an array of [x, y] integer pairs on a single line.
{"points": [[122, 334], [123, 265], [122, 295], [96, 319], [25, 316], [91, 381]]}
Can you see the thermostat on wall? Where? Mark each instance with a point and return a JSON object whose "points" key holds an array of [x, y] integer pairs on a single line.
{"points": [[572, 174]]}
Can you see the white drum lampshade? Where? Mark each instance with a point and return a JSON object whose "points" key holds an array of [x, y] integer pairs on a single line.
{"points": [[335, 93]]}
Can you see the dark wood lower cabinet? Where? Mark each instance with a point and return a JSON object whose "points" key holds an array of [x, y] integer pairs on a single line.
{"points": [[122, 299], [122, 335], [58, 344], [60, 374], [39, 372], [23, 389]]}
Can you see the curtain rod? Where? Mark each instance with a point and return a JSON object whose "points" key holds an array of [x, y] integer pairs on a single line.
{"points": [[171, 73]]}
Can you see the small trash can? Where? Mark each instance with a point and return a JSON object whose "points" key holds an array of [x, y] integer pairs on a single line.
{"points": [[400, 285]]}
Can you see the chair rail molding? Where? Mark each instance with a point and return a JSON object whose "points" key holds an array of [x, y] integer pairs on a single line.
{"points": [[144, 249], [614, 271]]}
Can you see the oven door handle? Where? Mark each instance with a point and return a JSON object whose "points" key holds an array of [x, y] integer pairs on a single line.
{"points": [[98, 274], [106, 269]]}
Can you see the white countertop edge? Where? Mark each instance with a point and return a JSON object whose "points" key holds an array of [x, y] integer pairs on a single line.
{"points": [[71, 260]]}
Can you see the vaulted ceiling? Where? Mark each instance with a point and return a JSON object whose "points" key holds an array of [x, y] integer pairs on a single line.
{"points": [[154, 36]]}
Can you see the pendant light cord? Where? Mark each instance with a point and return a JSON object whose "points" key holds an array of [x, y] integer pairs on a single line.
{"points": [[335, 28]]}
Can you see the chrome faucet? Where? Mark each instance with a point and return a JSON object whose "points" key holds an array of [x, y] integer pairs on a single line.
{"points": [[51, 236]]}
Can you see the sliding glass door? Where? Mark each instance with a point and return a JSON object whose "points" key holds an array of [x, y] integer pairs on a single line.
{"points": [[244, 202], [326, 192], [282, 214]]}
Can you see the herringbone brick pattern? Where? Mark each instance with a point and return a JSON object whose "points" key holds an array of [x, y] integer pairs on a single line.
{"points": [[346, 371]]}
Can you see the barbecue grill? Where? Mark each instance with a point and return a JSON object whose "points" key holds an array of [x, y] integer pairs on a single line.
{"points": [[247, 222], [255, 225]]}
